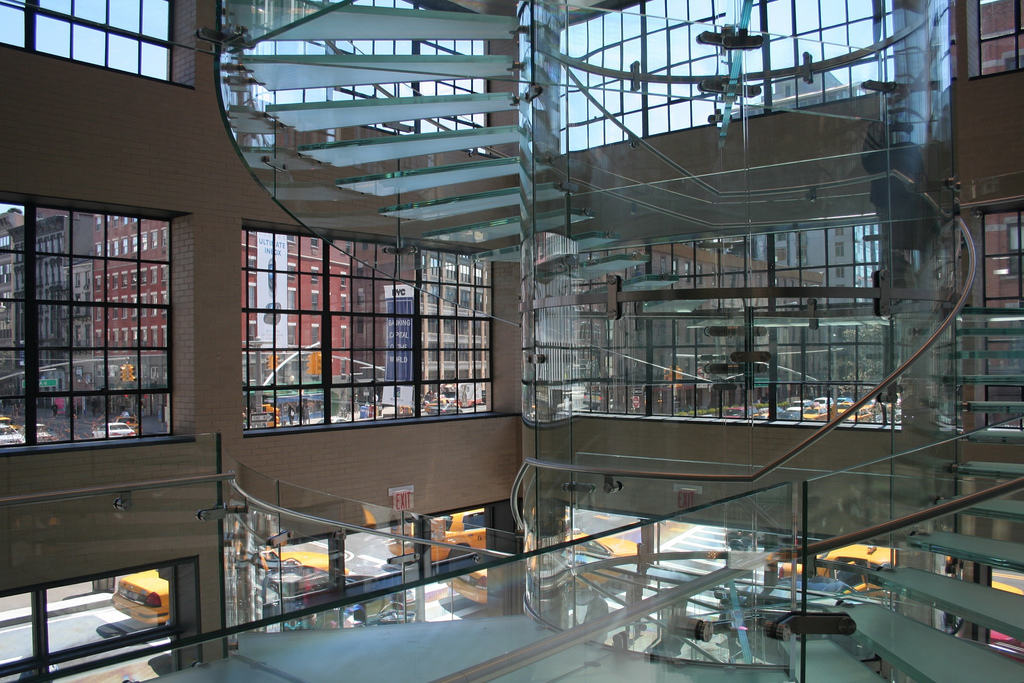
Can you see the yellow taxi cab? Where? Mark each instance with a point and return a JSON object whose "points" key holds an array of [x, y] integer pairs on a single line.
{"points": [[467, 528], [857, 556], [474, 584], [144, 596]]}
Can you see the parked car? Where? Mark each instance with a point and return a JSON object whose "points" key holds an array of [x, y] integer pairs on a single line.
{"points": [[10, 436], [144, 596], [114, 430]]}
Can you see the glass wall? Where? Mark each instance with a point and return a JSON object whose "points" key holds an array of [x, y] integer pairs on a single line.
{"points": [[346, 332], [84, 339]]}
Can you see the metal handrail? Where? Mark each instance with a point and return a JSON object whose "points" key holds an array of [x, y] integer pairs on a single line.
{"points": [[305, 516], [86, 492], [793, 452], [915, 517]]}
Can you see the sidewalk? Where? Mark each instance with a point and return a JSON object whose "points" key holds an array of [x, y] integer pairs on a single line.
{"points": [[71, 605]]}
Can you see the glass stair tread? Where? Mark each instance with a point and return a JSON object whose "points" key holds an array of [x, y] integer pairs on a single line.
{"points": [[1003, 554], [344, 113], [612, 264], [350, 22], [978, 468], [386, 148], [925, 653], [476, 233], [506, 254], [991, 331], [486, 231], [280, 158], [989, 607], [386, 184], [990, 379], [433, 209], [593, 240], [1001, 314], [305, 192], [966, 354], [993, 406], [248, 120], [291, 72], [828, 661], [644, 283], [996, 435], [1012, 510]]}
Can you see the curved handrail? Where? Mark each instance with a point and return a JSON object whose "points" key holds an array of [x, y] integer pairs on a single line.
{"points": [[355, 527], [796, 450], [915, 517]]}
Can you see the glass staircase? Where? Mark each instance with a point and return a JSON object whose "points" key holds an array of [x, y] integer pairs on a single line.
{"points": [[350, 133]]}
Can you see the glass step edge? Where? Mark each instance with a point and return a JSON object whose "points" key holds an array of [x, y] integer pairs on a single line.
{"points": [[983, 605], [1012, 510], [387, 184], [386, 23], [988, 354], [990, 331], [292, 72], [503, 227], [369, 150], [281, 158], [1005, 436], [1014, 313], [509, 254], [979, 468], [649, 282], [984, 550], [986, 379], [306, 116], [456, 206], [993, 406], [925, 653]]}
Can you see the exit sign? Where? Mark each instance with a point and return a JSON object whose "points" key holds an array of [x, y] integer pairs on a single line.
{"points": [[401, 497]]}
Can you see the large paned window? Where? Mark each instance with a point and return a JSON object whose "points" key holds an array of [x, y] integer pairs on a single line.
{"points": [[341, 333], [674, 362], [659, 36], [126, 35], [1001, 35], [1003, 289], [84, 315]]}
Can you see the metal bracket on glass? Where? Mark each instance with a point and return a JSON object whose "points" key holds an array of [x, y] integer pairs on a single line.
{"points": [[408, 558], [811, 623], [731, 38], [578, 487], [123, 502], [614, 289], [634, 81], [721, 85], [532, 93], [219, 512], [806, 73], [883, 304], [232, 39]]}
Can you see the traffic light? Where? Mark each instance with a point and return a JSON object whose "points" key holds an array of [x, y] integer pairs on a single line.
{"points": [[272, 363], [313, 363], [127, 372]]}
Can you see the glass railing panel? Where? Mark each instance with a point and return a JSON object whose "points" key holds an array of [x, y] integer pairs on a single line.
{"points": [[645, 596], [932, 585]]}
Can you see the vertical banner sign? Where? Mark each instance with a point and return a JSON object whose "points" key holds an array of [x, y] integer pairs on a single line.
{"points": [[271, 288], [399, 302]]}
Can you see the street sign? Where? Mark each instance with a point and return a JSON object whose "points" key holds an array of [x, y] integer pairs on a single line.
{"points": [[401, 497]]}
